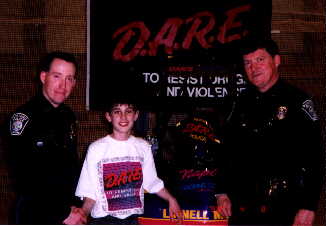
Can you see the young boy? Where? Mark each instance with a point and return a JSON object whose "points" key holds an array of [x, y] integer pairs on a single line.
{"points": [[117, 169]]}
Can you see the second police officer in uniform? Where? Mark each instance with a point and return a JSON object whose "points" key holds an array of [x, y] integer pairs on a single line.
{"points": [[43, 146], [274, 141]]}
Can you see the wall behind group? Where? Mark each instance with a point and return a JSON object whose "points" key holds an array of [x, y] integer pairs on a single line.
{"points": [[29, 29]]}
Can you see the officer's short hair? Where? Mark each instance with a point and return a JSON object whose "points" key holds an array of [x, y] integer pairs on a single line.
{"points": [[46, 61], [251, 45], [121, 99]]}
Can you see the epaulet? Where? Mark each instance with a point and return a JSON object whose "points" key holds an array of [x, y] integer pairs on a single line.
{"points": [[304, 101], [308, 108]]}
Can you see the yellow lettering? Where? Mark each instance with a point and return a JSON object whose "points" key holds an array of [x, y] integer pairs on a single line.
{"points": [[165, 215], [198, 215], [192, 214], [200, 120], [217, 215], [200, 137], [186, 214]]}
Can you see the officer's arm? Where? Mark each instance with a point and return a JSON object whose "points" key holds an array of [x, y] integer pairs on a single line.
{"points": [[304, 217], [311, 172], [18, 144]]}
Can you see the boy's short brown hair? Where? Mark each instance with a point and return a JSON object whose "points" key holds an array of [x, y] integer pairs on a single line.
{"points": [[121, 99]]}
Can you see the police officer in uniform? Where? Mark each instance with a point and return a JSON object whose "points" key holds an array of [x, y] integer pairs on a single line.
{"points": [[274, 141], [43, 153]]}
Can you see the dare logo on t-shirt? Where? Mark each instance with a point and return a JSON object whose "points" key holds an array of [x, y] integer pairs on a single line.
{"points": [[122, 184]]}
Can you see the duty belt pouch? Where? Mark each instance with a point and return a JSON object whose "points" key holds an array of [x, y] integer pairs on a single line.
{"points": [[274, 191], [276, 186]]}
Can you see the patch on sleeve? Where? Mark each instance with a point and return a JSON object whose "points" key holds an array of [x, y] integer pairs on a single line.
{"points": [[17, 123], [308, 107]]}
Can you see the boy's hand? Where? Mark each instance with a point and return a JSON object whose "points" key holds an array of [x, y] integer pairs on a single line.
{"points": [[174, 210], [76, 216]]}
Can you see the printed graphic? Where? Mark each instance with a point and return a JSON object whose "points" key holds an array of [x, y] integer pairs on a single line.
{"points": [[122, 184]]}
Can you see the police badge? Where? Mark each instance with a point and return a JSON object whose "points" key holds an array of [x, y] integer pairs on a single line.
{"points": [[17, 123], [281, 112]]}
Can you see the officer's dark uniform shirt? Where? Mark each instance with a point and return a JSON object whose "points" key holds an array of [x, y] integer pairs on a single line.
{"points": [[44, 161], [274, 141]]}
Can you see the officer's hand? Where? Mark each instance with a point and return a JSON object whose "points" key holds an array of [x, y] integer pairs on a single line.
{"points": [[223, 205], [304, 218], [76, 216]]}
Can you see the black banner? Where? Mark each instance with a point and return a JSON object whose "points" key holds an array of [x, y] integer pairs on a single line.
{"points": [[170, 54]]}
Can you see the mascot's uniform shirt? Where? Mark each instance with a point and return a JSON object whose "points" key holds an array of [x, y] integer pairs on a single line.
{"points": [[115, 174], [44, 159]]}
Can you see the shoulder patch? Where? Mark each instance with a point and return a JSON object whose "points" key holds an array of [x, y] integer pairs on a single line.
{"points": [[308, 107], [17, 123]]}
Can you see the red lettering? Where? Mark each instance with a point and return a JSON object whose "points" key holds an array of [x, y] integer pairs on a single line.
{"points": [[130, 176], [179, 68], [122, 178], [113, 180], [199, 34], [165, 36], [135, 35], [186, 174], [137, 174], [110, 180], [202, 129], [230, 23], [144, 35], [191, 127]]}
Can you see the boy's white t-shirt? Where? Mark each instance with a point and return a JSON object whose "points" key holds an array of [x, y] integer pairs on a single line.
{"points": [[115, 174]]}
